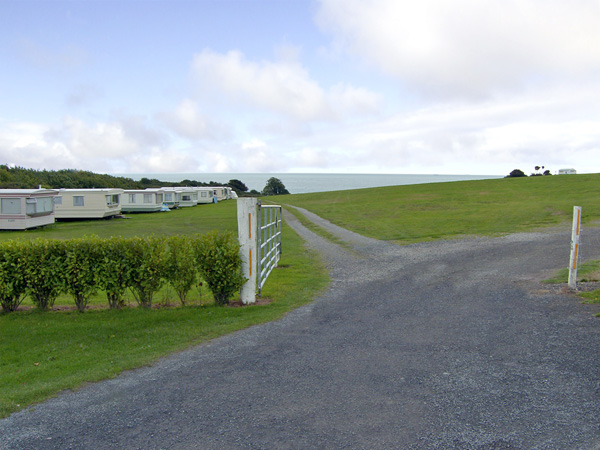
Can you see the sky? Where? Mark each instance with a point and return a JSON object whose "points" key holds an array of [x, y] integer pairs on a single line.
{"points": [[300, 86]]}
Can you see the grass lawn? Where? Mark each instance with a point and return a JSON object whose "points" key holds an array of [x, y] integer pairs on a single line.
{"points": [[43, 353], [449, 210], [198, 219]]}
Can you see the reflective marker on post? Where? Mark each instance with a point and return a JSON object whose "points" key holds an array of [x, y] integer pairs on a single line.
{"points": [[575, 232]]}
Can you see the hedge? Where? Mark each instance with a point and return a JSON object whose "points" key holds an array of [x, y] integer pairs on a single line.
{"points": [[45, 268]]}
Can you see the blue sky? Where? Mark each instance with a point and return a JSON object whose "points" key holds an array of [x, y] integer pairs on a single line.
{"points": [[344, 86]]}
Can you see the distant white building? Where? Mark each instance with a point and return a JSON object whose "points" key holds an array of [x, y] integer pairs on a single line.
{"points": [[26, 208], [567, 171]]}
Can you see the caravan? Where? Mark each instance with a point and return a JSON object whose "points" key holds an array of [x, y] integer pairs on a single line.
{"points": [[88, 203], [21, 209], [142, 200]]}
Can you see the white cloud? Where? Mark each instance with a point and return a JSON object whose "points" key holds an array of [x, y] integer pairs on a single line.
{"points": [[469, 47], [189, 122], [125, 144], [283, 87]]}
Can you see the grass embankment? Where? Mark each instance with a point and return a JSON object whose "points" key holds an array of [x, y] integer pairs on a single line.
{"points": [[449, 210], [42, 353]]}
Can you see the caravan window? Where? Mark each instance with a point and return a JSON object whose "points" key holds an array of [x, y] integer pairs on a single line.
{"points": [[78, 200], [147, 198], [204, 194], [168, 197], [39, 206], [132, 198], [11, 206], [186, 198], [112, 200]]}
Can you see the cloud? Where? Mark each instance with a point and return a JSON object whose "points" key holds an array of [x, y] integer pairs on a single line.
{"points": [[468, 47], [281, 87], [122, 145], [188, 122]]}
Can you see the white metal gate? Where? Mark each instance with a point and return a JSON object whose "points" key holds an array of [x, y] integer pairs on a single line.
{"points": [[269, 241]]}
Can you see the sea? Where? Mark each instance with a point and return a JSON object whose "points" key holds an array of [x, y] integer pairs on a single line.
{"points": [[302, 183]]}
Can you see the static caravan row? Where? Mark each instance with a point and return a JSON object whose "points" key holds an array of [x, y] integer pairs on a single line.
{"points": [[26, 208], [87, 203]]}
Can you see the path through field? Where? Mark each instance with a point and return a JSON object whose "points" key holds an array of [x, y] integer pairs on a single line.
{"points": [[444, 345]]}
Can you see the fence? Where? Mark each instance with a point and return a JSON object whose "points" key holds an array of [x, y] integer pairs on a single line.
{"points": [[259, 232], [269, 241]]}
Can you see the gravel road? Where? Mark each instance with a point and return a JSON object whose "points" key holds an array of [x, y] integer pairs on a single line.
{"points": [[444, 345]]}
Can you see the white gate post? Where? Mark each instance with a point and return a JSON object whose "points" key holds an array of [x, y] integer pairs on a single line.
{"points": [[574, 246], [246, 212]]}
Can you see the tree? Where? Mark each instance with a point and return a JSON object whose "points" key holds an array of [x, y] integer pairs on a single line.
{"points": [[547, 172], [516, 173], [237, 186], [274, 186]]}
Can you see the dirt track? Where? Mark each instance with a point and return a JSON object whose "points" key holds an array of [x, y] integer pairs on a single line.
{"points": [[446, 345]]}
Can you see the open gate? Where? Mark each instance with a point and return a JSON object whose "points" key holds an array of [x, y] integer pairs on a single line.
{"points": [[269, 241]]}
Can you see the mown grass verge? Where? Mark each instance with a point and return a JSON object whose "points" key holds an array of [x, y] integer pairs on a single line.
{"points": [[320, 231], [587, 272], [43, 353]]}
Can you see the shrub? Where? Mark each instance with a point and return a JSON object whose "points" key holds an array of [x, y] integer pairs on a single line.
{"points": [[44, 270], [147, 275], [116, 268], [12, 277], [219, 263], [82, 269], [180, 265]]}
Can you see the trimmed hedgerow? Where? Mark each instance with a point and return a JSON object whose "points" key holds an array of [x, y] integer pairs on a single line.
{"points": [[219, 264], [43, 269]]}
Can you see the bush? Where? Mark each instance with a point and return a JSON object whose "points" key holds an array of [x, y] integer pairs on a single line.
{"points": [[219, 263], [516, 174], [12, 277], [116, 267], [147, 273], [180, 265], [44, 270], [82, 269]]}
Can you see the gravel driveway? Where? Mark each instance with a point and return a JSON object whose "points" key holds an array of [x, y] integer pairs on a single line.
{"points": [[444, 345]]}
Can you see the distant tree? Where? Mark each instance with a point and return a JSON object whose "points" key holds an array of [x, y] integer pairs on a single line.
{"points": [[237, 186], [274, 186], [516, 173], [537, 171], [547, 172]]}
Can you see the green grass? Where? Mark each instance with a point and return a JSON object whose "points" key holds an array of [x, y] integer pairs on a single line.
{"points": [[588, 271], [452, 210], [318, 230], [43, 353], [198, 219]]}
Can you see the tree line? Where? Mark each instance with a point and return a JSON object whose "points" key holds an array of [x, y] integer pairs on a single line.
{"points": [[539, 171], [23, 178]]}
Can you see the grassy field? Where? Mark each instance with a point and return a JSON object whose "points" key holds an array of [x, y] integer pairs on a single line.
{"points": [[199, 219], [43, 353], [449, 210]]}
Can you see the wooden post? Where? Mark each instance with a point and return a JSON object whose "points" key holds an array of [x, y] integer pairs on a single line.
{"points": [[246, 212], [576, 230]]}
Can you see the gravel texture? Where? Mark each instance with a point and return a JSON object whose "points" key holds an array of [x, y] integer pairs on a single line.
{"points": [[444, 345]]}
